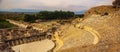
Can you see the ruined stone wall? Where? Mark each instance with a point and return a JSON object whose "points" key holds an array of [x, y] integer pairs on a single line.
{"points": [[18, 36]]}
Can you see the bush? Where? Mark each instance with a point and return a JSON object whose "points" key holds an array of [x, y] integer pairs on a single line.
{"points": [[55, 15], [116, 3], [30, 18], [49, 15], [5, 24], [79, 16]]}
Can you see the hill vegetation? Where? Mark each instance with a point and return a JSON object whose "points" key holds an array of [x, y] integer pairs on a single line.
{"points": [[5, 24], [12, 15], [42, 15], [49, 15]]}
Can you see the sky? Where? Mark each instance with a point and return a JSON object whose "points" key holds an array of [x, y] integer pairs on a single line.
{"points": [[71, 5]]}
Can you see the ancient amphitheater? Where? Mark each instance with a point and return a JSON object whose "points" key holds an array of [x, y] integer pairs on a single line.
{"points": [[96, 33], [99, 31]]}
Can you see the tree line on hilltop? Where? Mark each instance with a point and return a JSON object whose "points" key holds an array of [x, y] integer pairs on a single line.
{"points": [[49, 15]]}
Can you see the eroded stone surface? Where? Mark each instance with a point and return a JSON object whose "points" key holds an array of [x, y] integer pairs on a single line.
{"points": [[38, 46]]}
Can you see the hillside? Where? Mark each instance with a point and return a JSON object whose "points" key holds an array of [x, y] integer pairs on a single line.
{"points": [[101, 10], [96, 33]]}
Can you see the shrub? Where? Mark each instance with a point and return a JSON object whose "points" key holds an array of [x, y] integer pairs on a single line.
{"points": [[55, 14], [30, 18], [116, 3], [5, 24]]}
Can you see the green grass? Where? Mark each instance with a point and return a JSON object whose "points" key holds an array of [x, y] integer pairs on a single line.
{"points": [[5, 24]]}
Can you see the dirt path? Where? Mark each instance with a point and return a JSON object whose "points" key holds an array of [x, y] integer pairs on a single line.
{"points": [[19, 24]]}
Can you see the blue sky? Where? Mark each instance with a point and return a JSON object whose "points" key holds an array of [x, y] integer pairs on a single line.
{"points": [[72, 5]]}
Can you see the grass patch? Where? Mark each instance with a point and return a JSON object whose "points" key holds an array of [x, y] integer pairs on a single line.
{"points": [[5, 24]]}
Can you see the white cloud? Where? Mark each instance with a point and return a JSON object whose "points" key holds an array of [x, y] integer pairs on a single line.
{"points": [[53, 4]]}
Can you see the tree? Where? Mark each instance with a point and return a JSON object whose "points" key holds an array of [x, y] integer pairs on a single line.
{"points": [[55, 14], [29, 18], [116, 3], [49, 15]]}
